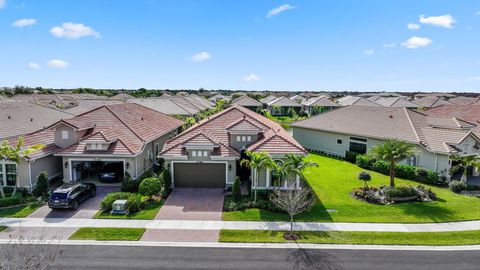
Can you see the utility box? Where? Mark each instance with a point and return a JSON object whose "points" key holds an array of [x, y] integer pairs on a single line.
{"points": [[119, 207]]}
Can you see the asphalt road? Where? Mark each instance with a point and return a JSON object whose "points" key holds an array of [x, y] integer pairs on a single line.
{"points": [[116, 257]]}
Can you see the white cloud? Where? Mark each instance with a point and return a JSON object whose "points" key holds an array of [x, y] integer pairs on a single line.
{"points": [[413, 26], [251, 77], [55, 63], [478, 13], [279, 10], [389, 45], [24, 22], [474, 78], [417, 42], [200, 57], [2, 3], [368, 52], [445, 21], [73, 31], [33, 65]]}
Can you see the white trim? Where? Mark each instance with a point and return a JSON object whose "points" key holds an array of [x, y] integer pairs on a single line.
{"points": [[30, 176], [70, 160], [172, 165]]}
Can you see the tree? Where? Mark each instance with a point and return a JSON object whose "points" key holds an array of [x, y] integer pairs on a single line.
{"points": [[41, 188], [464, 162], [297, 164], [393, 151], [293, 201], [256, 162], [236, 190], [15, 154], [365, 177]]}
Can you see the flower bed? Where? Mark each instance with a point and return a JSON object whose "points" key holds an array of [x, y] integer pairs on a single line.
{"points": [[389, 195]]}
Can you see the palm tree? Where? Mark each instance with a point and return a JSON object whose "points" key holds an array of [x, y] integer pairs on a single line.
{"points": [[297, 164], [393, 151], [256, 162], [465, 162], [15, 154]]}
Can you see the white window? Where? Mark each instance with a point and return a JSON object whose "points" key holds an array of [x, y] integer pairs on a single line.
{"points": [[194, 153], [244, 138], [249, 138], [64, 134], [238, 138], [205, 154]]}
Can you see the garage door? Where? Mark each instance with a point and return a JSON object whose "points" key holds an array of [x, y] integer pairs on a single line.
{"points": [[199, 175]]}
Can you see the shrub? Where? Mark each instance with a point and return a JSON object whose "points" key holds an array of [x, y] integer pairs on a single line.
{"points": [[41, 189], [128, 184], [150, 186], [421, 175], [12, 200], [406, 171], [236, 192], [351, 157], [381, 167], [147, 174], [166, 183], [457, 186], [364, 161], [135, 202], [365, 177], [401, 191]]}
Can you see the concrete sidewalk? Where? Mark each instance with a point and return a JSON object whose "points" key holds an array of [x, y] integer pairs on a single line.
{"points": [[238, 225]]}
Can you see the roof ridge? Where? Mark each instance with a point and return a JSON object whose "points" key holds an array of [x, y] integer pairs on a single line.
{"points": [[179, 105], [411, 123]]}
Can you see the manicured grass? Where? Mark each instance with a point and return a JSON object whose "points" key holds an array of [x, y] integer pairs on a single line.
{"points": [[108, 234], [334, 179], [357, 238], [2, 228], [19, 211], [148, 213]]}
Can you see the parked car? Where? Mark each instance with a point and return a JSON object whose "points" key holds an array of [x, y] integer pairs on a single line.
{"points": [[70, 195], [111, 173]]}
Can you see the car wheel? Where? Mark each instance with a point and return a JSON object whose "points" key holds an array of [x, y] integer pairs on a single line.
{"points": [[93, 193], [75, 205]]}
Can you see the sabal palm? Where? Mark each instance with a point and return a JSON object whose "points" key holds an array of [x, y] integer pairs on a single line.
{"points": [[465, 162], [393, 151], [256, 162], [15, 154]]}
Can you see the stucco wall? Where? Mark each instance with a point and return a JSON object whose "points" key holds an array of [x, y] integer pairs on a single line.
{"points": [[51, 164]]}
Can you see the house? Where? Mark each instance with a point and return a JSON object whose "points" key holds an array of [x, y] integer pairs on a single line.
{"points": [[115, 138], [431, 101], [358, 128], [219, 97], [121, 96], [21, 118], [208, 154], [434, 95], [461, 100], [318, 105], [175, 105], [248, 102], [283, 106], [355, 101], [470, 113], [396, 102], [298, 98], [267, 99]]}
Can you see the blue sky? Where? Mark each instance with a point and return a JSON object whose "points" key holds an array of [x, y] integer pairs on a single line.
{"points": [[371, 45]]}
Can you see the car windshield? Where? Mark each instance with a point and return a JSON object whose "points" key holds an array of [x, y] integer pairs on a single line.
{"points": [[59, 196]]}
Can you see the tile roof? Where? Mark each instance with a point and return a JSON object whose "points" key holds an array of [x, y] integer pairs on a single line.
{"points": [[215, 128], [461, 100], [435, 134], [431, 101], [127, 126], [246, 101], [175, 105], [20, 118], [322, 101], [267, 99], [284, 102], [85, 105], [357, 101], [395, 102]]}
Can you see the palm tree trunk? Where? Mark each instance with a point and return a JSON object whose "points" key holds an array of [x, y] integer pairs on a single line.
{"points": [[2, 192], [392, 174]]}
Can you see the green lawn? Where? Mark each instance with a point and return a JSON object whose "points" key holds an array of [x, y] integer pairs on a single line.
{"points": [[19, 211], [334, 179], [357, 238], [2, 228], [148, 213], [108, 234]]}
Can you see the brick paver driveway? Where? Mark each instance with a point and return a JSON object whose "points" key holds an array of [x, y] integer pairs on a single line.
{"points": [[189, 204], [87, 208]]}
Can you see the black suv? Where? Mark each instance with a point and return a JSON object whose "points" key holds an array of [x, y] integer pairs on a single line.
{"points": [[70, 195]]}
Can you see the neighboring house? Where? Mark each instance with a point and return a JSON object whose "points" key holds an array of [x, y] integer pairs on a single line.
{"points": [[248, 102], [85, 105], [116, 138], [121, 96], [358, 128], [435, 95], [175, 105], [396, 102], [461, 100], [207, 155], [267, 99], [219, 97], [355, 101], [298, 98], [431, 101], [470, 113], [318, 105], [21, 118], [283, 106]]}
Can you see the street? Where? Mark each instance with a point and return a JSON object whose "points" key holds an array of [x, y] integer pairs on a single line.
{"points": [[116, 257]]}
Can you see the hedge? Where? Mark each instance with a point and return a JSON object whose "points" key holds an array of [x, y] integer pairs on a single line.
{"points": [[11, 200], [134, 201], [403, 171]]}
